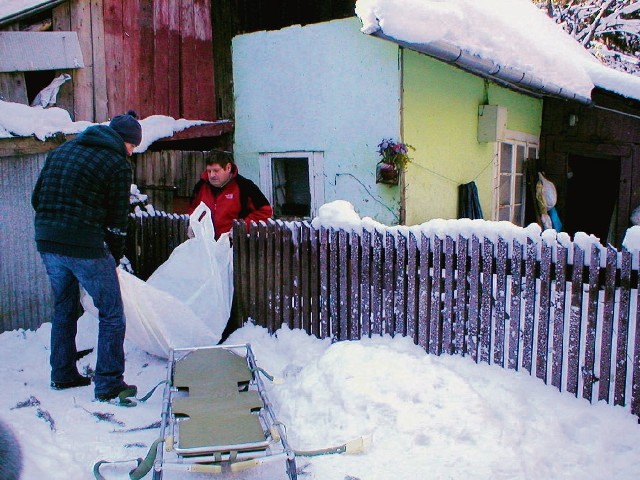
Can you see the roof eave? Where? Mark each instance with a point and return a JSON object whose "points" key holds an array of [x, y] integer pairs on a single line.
{"points": [[504, 75], [27, 12]]}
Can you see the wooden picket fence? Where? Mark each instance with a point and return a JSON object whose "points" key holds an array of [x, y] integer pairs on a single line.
{"points": [[152, 238], [522, 306]]}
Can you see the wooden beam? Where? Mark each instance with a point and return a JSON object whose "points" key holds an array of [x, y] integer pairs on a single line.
{"points": [[80, 15], [15, 146], [100, 103], [214, 129]]}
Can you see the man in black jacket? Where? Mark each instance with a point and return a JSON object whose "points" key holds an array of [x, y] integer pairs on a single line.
{"points": [[81, 200]]}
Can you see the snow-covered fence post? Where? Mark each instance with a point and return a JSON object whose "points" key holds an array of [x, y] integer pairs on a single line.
{"points": [[542, 349], [324, 282], [424, 293], [514, 309], [435, 324], [588, 372], [575, 321], [355, 273], [413, 287], [529, 305], [460, 318], [484, 338], [365, 284], [474, 300], [500, 313], [623, 329], [607, 324], [635, 388], [447, 309], [558, 305]]}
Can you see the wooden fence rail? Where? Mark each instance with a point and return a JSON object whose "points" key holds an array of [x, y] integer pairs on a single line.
{"points": [[525, 305]]}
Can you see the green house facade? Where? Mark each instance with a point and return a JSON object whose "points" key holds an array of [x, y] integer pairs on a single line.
{"points": [[312, 104]]}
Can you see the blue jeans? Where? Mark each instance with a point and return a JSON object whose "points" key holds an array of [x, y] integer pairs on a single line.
{"points": [[99, 279]]}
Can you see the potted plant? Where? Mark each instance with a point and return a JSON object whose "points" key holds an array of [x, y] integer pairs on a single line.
{"points": [[395, 157]]}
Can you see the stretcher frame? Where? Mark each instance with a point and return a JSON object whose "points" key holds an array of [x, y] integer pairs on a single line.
{"points": [[180, 454]]}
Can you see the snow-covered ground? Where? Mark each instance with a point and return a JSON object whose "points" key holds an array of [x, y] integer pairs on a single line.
{"points": [[428, 417]]}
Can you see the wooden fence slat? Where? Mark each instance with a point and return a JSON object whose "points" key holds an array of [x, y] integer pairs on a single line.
{"points": [[334, 298], [239, 274], [635, 385], [270, 276], [263, 306], [400, 309], [413, 287], [515, 304], [592, 320], [424, 298], [365, 283], [387, 284], [277, 273], [542, 347], [343, 284], [558, 317], [474, 300], [575, 330], [296, 282], [623, 330], [500, 316], [460, 312], [484, 338], [529, 306], [354, 322], [606, 338], [324, 282], [287, 275], [376, 284], [435, 325], [448, 311], [253, 272], [305, 272], [314, 285]]}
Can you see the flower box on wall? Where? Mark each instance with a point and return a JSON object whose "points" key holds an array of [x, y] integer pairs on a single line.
{"points": [[394, 158], [387, 173]]}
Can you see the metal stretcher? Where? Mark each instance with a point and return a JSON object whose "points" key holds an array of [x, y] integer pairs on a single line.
{"points": [[216, 416]]}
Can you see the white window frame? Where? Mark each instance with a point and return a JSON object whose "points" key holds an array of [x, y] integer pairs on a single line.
{"points": [[316, 175], [516, 139]]}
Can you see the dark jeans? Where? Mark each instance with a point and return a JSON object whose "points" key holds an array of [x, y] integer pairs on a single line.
{"points": [[99, 279]]}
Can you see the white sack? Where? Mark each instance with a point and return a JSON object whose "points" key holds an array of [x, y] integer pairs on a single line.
{"points": [[187, 301], [200, 273]]}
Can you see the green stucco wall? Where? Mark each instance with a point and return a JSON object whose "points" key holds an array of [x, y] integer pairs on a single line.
{"points": [[440, 119]]}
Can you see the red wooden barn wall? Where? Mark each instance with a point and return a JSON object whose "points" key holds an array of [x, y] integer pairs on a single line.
{"points": [[159, 58]]}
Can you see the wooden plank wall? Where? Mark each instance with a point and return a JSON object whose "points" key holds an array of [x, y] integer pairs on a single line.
{"points": [[579, 329], [164, 176], [160, 58]]}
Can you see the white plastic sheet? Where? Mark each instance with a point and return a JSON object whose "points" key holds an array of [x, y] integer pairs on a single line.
{"points": [[187, 301]]}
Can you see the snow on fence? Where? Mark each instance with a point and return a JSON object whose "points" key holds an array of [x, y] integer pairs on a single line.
{"points": [[565, 312]]}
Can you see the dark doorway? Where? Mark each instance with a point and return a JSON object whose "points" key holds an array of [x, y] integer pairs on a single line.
{"points": [[592, 193]]}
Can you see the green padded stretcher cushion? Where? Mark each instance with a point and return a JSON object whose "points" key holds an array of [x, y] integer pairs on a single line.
{"points": [[219, 414]]}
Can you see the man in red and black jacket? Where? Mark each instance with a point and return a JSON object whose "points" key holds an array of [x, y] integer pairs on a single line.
{"points": [[229, 195]]}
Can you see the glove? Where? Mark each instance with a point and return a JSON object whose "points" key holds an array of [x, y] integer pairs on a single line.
{"points": [[114, 239]]}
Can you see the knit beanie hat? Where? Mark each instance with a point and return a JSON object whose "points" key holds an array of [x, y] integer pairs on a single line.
{"points": [[128, 127]]}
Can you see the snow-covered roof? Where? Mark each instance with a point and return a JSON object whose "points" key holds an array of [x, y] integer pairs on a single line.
{"points": [[510, 41]]}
